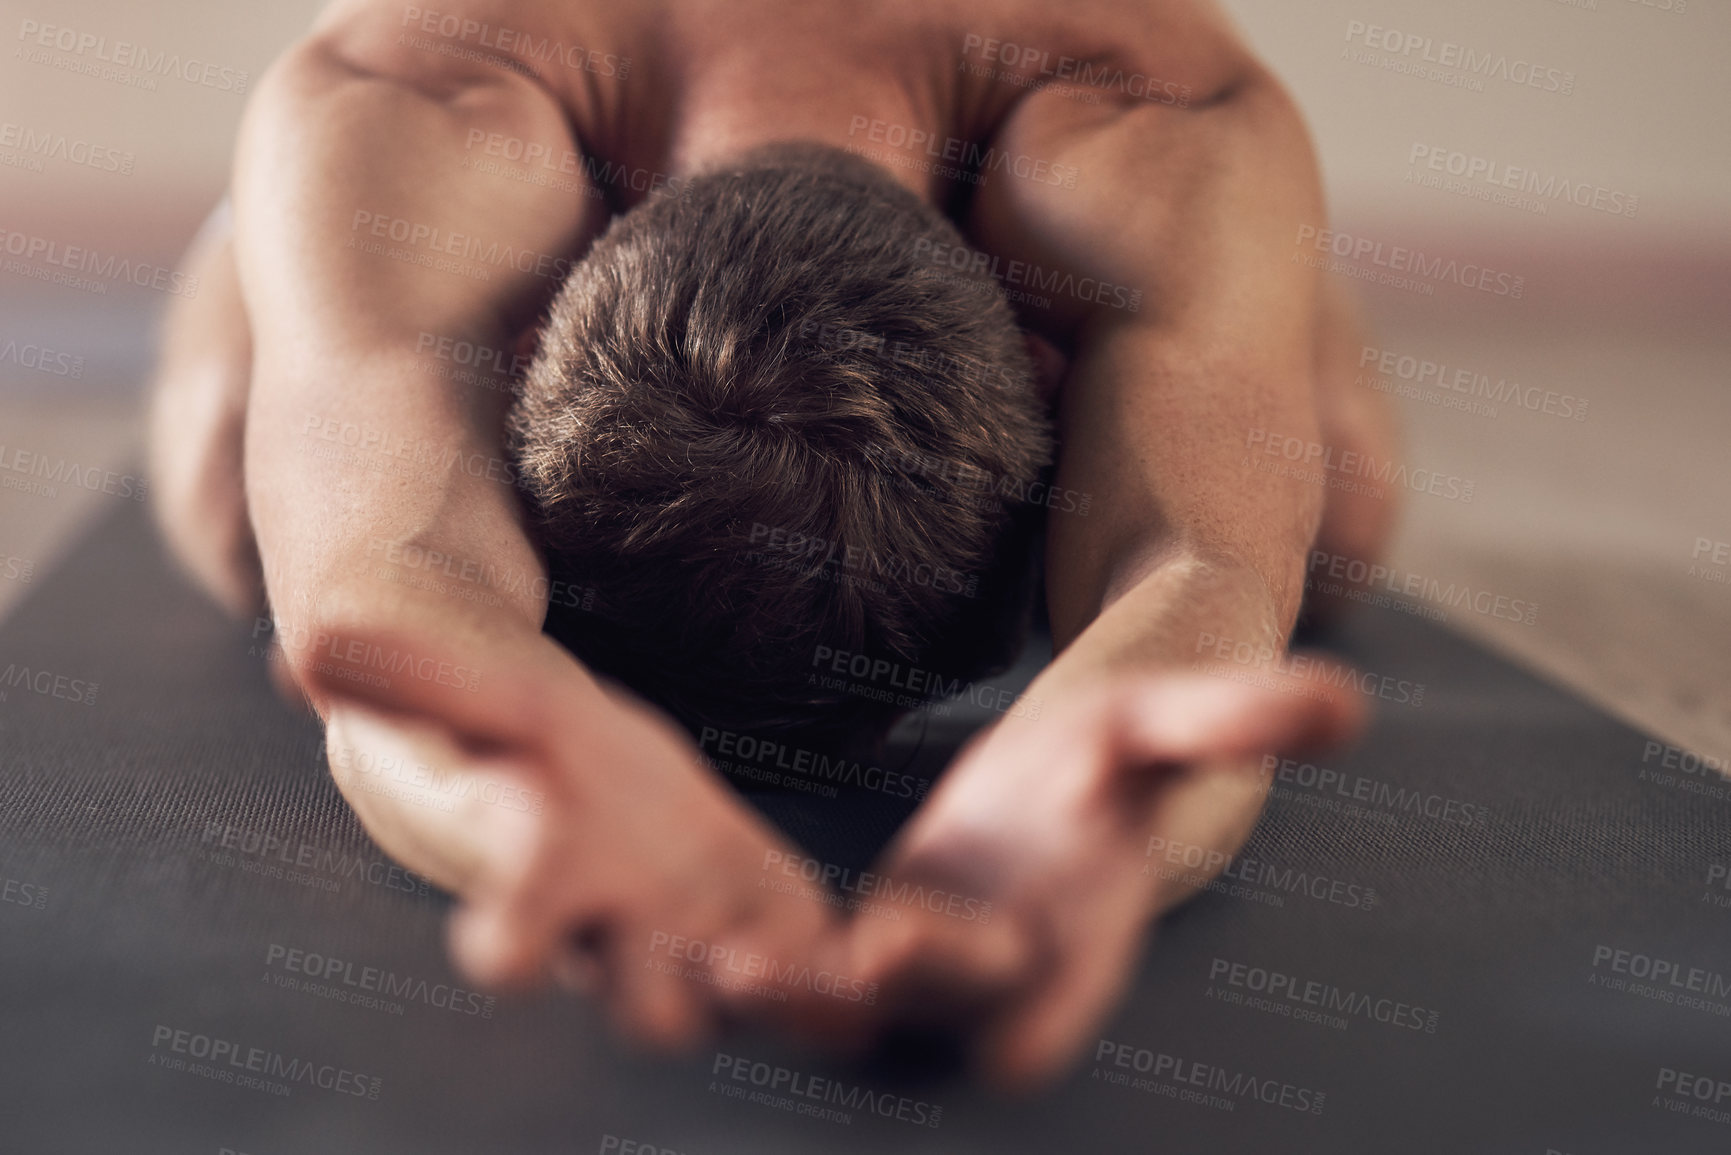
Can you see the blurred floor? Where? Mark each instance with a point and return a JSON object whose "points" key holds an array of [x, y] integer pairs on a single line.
{"points": [[1595, 521], [95, 434]]}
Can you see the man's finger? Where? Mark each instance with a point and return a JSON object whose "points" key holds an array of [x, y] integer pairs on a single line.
{"points": [[1040, 1037], [929, 966], [432, 818], [653, 999], [804, 986], [1192, 718], [487, 949], [1202, 810], [517, 920], [485, 688]]}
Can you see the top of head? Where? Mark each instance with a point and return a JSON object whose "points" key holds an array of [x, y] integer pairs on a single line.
{"points": [[763, 424]]}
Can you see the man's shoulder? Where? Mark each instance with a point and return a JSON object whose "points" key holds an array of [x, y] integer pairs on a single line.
{"points": [[446, 42]]}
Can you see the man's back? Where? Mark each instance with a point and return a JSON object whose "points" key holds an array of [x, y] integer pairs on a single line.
{"points": [[679, 85]]}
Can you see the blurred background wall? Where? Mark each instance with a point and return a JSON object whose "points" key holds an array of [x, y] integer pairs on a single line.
{"points": [[1607, 523]]}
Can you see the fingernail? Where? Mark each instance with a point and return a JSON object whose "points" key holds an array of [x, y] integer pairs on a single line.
{"points": [[482, 944]]}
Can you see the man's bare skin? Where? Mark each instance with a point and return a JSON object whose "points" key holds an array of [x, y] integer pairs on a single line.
{"points": [[1195, 203]]}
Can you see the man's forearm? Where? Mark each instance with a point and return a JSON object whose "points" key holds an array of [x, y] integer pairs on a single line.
{"points": [[367, 496], [1165, 620]]}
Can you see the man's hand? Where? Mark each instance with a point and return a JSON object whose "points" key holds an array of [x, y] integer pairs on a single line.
{"points": [[584, 838], [1050, 820]]}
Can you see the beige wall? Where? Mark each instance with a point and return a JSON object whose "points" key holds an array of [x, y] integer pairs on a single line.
{"points": [[180, 134], [1647, 115]]}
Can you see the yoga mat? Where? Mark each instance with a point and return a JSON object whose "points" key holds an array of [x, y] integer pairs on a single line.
{"points": [[1498, 924]]}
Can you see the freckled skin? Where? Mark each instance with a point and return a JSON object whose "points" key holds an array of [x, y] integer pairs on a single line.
{"points": [[1142, 151]]}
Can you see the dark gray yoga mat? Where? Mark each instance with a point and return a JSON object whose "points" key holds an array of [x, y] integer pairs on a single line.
{"points": [[1546, 965]]}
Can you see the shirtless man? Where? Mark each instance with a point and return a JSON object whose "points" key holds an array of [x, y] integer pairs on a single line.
{"points": [[1192, 177]]}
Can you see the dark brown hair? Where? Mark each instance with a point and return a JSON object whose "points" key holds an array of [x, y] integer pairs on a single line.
{"points": [[715, 436]]}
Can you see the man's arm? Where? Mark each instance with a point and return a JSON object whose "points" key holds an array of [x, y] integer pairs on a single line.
{"points": [[1197, 208], [360, 232], [352, 451], [1051, 814]]}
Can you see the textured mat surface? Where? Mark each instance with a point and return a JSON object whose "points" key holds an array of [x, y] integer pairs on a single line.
{"points": [[1501, 924]]}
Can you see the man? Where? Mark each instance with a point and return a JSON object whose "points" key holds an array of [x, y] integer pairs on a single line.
{"points": [[411, 180]]}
